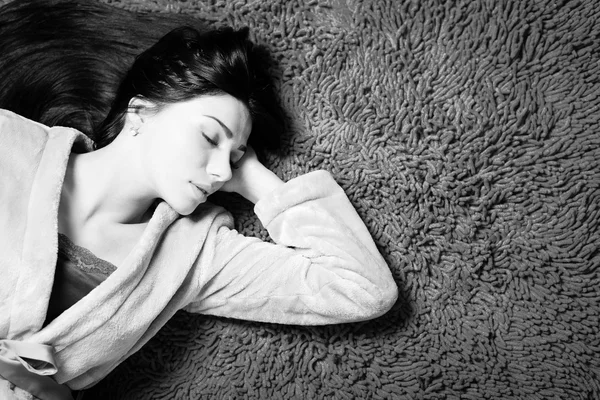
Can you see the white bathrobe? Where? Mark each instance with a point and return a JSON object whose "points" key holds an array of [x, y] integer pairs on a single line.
{"points": [[323, 269]]}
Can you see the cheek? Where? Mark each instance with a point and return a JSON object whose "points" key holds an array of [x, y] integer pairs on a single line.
{"points": [[159, 164], [176, 156], [167, 151]]}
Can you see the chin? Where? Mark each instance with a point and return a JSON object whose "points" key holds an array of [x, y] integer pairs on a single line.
{"points": [[184, 209]]}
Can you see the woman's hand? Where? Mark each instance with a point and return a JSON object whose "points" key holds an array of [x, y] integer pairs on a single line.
{"points": [[252, 179], [241, 175]]}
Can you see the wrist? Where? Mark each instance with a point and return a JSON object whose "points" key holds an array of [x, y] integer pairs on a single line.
{"points": [[261, 182]]}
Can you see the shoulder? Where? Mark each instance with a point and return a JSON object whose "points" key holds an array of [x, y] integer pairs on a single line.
{"points": [[20, 138], [211, 214], [192, 234], [18, 132], [208, 218], [9, 118]]}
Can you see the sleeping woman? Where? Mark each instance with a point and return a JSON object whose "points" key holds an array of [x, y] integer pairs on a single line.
{"points": [[103, 240]]}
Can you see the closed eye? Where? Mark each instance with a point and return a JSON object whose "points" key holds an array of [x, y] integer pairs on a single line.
{"points": [[210, 140]]}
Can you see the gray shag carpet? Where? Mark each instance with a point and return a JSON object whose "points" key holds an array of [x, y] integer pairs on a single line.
{"points": [[466, 133]]}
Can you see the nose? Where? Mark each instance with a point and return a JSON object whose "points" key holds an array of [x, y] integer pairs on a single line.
{"points": [[219, 168]]}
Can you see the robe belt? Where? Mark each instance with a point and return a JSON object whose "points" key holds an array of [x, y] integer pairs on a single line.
{"points": [[29, 367]]}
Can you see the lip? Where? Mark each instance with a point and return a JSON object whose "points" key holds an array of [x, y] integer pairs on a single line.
{"points": [[201, 189]]}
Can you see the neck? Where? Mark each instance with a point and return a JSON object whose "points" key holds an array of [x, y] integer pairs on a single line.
{"points": [[107, 186]]}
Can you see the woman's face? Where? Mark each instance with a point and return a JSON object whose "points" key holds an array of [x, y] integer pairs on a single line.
{"points": [[188, 148]]}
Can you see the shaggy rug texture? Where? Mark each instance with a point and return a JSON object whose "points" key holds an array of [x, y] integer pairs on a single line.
{"points": [[466, 133]]}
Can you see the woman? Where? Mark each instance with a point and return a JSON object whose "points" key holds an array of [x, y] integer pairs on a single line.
{"points": [[103, 242]]}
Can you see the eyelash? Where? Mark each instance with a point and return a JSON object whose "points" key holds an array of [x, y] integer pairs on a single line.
{"points": [[234, 165], [209, 140]]}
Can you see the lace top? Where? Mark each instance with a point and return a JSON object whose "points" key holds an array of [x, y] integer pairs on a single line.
{"points": [[78, 272]]}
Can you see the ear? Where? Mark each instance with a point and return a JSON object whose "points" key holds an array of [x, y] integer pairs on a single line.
{"points": [[138, 109]]}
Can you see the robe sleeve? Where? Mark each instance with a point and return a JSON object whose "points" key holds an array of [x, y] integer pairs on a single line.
{"points": [[324, 267]]}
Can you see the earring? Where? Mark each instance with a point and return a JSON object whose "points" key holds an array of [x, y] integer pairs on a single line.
{"points": [[134, 131]]}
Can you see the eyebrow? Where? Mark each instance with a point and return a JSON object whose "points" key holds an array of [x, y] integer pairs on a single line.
{"points": [[228, 132]]}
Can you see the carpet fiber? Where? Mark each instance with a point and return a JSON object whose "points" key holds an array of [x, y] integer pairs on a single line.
{"points": [[466, 133]]}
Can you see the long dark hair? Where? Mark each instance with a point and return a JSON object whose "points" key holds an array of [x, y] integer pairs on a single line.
{"points": [[77, 63], [185, 64]]}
